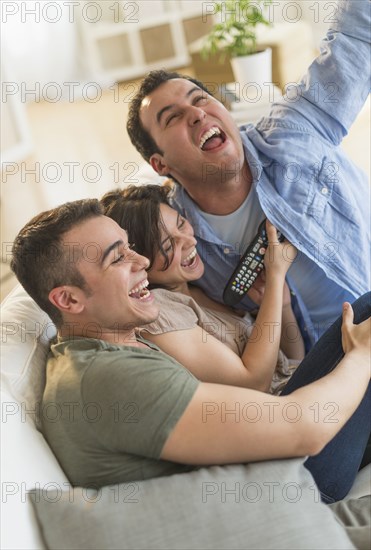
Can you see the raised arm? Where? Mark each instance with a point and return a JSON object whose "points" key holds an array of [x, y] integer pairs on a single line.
{"points": [[223, 424], [261, 352], [337, 84]]}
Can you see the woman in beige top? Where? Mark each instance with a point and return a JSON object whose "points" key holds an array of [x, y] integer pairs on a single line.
{"points": [[215, 342]]}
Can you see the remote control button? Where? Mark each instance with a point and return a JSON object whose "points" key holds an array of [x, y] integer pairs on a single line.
{"points": [[262, 251], [254, 264]]}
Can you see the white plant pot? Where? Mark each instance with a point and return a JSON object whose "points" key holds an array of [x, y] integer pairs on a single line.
{"points": [[253, 69]]}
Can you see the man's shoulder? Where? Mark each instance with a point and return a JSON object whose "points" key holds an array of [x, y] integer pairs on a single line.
{"points": [[66, 346], [104, 371], [91, 355], [81, 358]]}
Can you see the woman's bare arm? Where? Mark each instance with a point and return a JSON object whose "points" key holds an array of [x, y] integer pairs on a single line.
{"points": [[261, 351], [292, 343]]}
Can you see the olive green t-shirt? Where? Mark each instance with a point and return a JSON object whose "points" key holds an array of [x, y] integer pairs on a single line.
{"points": [[108, 410]]}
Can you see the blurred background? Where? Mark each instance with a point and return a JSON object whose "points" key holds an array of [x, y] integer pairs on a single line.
{"points": [[70, 68]]}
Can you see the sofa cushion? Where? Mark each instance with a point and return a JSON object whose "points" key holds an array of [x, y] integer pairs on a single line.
{"points": [[355, 515], [271, 504], [26, 333]]}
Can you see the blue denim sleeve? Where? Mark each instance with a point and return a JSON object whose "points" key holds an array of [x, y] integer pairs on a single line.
{"points": [[337, 83]]}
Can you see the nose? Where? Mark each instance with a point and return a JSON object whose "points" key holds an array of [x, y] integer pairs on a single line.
{"points": [[195, 114], [139, 262], [187, 239], [188, 229]]}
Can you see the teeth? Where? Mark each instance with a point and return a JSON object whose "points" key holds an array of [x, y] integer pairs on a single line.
{"points": [[144, 295], [214, 131], [190, 257], [140, 287]]}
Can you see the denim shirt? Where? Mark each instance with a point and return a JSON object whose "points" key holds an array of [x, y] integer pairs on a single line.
{"points": [[306, 185]]}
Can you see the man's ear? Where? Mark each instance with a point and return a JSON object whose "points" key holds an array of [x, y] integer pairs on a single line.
{"points": [[68, 299], [157, 163]]}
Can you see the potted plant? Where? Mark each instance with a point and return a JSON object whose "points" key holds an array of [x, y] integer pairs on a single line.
{"points": [[234, 35]]}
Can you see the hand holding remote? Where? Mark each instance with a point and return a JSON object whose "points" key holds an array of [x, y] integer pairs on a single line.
{"points": [[279, 255], [249, 267], [277, 260]]}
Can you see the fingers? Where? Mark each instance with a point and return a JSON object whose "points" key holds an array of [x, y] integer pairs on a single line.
{"points": [[271, 232], [348, 314]]}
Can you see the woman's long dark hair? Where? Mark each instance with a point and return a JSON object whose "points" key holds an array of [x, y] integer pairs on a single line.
{"points": [[137, 210]]}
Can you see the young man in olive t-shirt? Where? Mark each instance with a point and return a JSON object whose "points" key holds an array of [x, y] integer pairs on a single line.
{"points": [[131, 412]]}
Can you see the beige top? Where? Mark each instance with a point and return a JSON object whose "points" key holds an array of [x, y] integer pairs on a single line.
{"points": [[181, 312]]}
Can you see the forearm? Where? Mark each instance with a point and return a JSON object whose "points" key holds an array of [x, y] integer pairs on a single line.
{"points": [[261, 351], [244, 425], [292, 343], [337, 83]]}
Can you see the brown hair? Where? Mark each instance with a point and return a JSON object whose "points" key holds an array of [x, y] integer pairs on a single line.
{"points": [[41, 262], [137, 210]]}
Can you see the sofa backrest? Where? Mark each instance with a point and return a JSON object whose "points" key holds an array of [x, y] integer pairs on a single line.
{"points": [[26, 460]]}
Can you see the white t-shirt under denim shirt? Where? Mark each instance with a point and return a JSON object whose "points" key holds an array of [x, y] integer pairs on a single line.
{"points": [[240, 227]]}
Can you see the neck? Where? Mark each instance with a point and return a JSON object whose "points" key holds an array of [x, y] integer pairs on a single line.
{"points": [[113, 336], [182, 288], [221, 196]]}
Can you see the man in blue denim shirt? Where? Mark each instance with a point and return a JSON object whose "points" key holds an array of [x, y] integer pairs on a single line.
{"points": [[288, 168]]}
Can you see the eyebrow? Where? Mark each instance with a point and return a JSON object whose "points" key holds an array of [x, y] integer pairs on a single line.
{"points": [[168, 107], [109, 249], [168, 238]]}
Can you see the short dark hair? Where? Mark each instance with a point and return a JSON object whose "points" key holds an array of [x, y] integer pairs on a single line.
{"points": [[137, 210], [41, 263], [140, 138]]}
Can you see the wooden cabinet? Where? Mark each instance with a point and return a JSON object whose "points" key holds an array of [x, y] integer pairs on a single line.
{"points": [[124, 39]]}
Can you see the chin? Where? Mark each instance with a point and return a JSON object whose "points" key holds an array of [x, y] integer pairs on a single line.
{"points": [[148, 320]]}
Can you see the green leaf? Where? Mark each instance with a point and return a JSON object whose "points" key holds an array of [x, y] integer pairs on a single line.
{"points": [[235, 33]]}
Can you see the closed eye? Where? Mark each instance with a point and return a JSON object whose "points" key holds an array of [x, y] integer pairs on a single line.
{"points": [[129, 253], [181, 223], [168, 248], [200, 99], [170, 118], [119, 259]]}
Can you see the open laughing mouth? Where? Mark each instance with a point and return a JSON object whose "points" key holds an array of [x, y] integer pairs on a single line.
{"points": [[140, 292], [190, 260], [212, 139]]}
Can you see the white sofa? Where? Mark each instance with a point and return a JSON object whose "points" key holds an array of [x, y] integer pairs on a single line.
{"points": [[168, 512]]}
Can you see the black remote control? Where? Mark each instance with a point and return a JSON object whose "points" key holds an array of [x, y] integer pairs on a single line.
{"points": [[248, 269]]}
